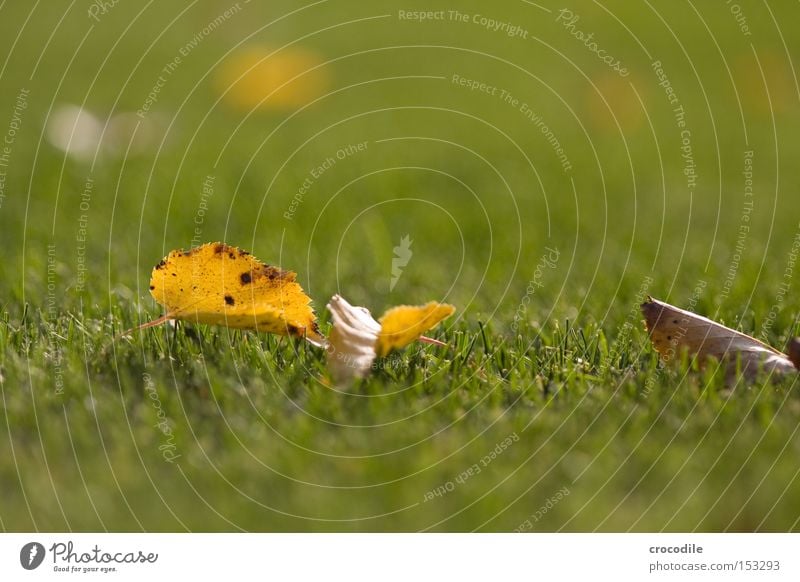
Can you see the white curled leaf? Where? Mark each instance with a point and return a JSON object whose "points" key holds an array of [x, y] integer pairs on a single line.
{"points": [[351, 348]]}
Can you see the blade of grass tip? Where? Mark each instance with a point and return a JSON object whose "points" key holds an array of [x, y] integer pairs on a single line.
{"points": [[77, 323], [501, 359], [469, 349], [585, 342], [487, 348], [173, 340]]}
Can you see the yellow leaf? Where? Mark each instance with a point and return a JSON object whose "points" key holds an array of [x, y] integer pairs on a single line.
{"points": [[218, 284], [403, 324]]}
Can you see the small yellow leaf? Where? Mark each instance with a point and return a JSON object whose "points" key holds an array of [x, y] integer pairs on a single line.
{"points": [[218, 284], [403, 324]]}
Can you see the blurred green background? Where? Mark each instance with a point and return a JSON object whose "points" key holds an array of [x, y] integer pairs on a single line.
{"points": [[179, 152]]}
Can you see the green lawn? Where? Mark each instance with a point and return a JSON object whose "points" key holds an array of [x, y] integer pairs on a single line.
{"points": [[546, 195]]}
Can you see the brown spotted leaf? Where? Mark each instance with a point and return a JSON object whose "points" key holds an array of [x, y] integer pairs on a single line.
{"points": [[219, 284]]}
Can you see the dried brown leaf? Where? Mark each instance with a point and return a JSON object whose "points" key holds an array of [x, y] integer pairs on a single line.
{"points": [[673, 330]]}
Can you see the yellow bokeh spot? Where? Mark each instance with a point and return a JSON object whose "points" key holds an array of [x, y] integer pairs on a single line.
{"points": [[613, 105], [260, 78]]}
